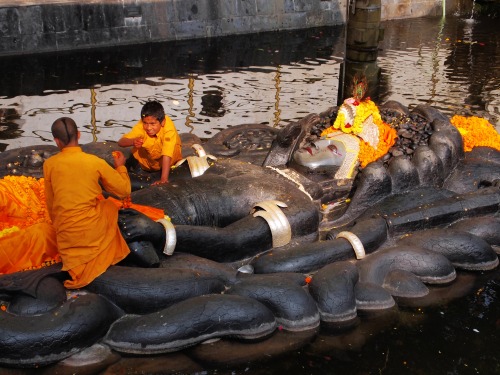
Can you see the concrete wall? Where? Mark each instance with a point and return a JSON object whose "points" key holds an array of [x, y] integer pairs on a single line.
{"points": [[32, 26], [394, 9]]}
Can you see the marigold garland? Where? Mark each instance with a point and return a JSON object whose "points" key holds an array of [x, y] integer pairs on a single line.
{"points": [[127, 202], [46, 263], [387, 135], [28, 197], [387, 138], [7, 231], [364, 109], [476, 131]]}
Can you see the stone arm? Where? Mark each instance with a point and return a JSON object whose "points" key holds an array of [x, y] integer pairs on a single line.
{"points": [[246, 237]]}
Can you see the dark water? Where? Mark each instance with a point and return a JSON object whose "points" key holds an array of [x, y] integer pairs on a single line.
{"points": [[457, 334], [453, 64]]}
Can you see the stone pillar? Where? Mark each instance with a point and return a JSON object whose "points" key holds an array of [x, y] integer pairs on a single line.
{"points": [[363, 30], [363, 33]]}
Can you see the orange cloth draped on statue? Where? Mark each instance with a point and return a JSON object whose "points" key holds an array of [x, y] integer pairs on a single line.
{"points": [[28, 248], [152, 212]]}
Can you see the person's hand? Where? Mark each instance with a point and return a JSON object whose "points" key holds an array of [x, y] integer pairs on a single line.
{"points": [[118, 158], [160, 182], [138, 142]]}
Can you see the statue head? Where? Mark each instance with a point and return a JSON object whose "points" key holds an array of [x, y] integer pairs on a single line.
{"points": [[321, 153]]}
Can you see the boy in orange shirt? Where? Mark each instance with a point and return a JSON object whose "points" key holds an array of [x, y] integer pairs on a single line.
{"points": [[86, 225], [155, 141]]}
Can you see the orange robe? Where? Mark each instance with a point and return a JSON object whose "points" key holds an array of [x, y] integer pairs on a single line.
{"points": [[88, 237], [166, 142]]}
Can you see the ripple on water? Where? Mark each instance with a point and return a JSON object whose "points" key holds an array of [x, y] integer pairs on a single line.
{"points": [[452, 64]]}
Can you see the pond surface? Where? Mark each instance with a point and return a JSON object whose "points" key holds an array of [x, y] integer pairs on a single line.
{"points": [[452, 64], [270, 78]]}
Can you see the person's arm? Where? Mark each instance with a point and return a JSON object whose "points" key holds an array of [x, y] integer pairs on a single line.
{"points": [[116, 181], [48, 191], [169, 142], [166, 163], [133, 138], [127, 142]]}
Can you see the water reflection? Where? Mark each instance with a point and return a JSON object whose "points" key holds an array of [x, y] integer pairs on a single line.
{"points": [[272, 78], [205, 85], [454, 67]]}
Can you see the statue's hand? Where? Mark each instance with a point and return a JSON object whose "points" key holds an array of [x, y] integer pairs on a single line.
{"points": [[136, 226]]}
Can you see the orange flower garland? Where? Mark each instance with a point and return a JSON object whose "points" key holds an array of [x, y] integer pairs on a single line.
{"points": [[127, 202], [387, 134], [387, 138], [23, 199], [46, 263], [22, 202], [476, 131]]}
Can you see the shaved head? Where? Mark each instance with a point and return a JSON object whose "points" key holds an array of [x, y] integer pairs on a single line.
{"points": [[65, 130]]}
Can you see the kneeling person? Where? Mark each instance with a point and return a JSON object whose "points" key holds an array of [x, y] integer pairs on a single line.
{"points": [[86, 224], [155, 141]]}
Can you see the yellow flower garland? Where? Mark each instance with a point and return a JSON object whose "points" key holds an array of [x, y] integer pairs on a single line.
{"points": [[7, 231], [476, 131], [387, 135], [364, 109]]}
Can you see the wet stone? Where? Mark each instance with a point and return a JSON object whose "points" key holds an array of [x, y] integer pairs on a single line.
{"points": [[405, 134]]}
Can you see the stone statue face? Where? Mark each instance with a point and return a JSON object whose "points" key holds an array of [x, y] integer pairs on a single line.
{"points": [[323, 153]]}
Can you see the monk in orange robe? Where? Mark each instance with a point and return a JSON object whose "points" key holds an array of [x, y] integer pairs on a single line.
{"points": [[87, 232]]}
